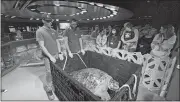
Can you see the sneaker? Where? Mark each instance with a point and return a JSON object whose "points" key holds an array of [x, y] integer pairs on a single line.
{"points": [[50, 95]]}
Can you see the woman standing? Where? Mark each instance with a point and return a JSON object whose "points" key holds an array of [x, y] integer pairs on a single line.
{"points": [[102, 39], [114, 40]]}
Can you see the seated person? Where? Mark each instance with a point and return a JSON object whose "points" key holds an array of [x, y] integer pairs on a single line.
{"points": [[129, 37], [114, 40], [102, 39], [95, 33], [163, 43], [144, 43], [18, 36]]}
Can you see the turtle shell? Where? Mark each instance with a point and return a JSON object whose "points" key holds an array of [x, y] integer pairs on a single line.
{"points": [[91, 78]]}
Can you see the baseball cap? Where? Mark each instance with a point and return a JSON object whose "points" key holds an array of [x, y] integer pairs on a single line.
{"points": [[47, 17]]}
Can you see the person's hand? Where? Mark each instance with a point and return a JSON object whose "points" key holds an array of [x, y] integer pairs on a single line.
{"points": [[61, 56], [83, 52], [53, 59], [70, 54]]}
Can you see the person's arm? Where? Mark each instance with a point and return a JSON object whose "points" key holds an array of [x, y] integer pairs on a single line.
{"points": [[122, 37], [119, 44], [155, 41], [168, 44], [65, 33], [81, 45]]}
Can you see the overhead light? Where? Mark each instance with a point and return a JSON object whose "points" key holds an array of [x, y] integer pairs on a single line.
{"points": [[101, 18], [31, 18], [94, 19], [33, 9], [67, 20], [104, 17], [65, 15], [57, 19], [99, 4], [92, 3], [148, 1], [115, 12], [88, 19], [42, 12], [111, 15], [37, 18], [6, 15], [13, 16], [97, 18], [79, 7], [82, 12], [108, 16], [49, 13], [77, 13], [57, 4]]}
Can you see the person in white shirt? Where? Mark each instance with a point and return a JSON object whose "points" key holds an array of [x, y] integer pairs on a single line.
{"points": [[102, 39], [163, 42]]}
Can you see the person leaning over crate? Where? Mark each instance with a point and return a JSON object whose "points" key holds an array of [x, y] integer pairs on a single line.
{"points": [[73, 39], [47, 39]]}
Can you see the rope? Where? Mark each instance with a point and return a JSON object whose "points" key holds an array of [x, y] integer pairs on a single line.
{"points": [[129, 89], [79, 58], [135, 85]]}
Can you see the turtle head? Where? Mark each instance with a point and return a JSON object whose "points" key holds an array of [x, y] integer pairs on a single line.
{"points": [[113, 85]]}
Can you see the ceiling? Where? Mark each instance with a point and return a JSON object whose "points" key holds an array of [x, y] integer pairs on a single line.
{"points": [[160, 11], [83, 11]]}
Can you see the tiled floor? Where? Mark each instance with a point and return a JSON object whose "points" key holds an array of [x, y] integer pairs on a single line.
{"points": [[24, 83]]}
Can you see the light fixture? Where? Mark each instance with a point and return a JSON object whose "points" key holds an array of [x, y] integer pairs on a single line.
{"points": [[88, 19], [104, 17], [97, 18], [92, 3], [111, 15], [49, 13], [33, 9], [82, 12], [113, 9], [13, 16], [6, 15], [101, 18], [108, 16], [77, 13], [79, 7], [42, 12], [148, 1], [67, 20], [115, 12], [37, 18], [57, 19], [99, 4], [93, 18], [57, 4], [65, 15], [31, 18]]}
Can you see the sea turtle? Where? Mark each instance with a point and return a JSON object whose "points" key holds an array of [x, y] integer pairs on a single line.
{"points": [[96, 81]]}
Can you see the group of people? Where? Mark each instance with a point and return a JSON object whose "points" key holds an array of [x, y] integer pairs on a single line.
{"points": [[137, 39], [129, 38]]}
